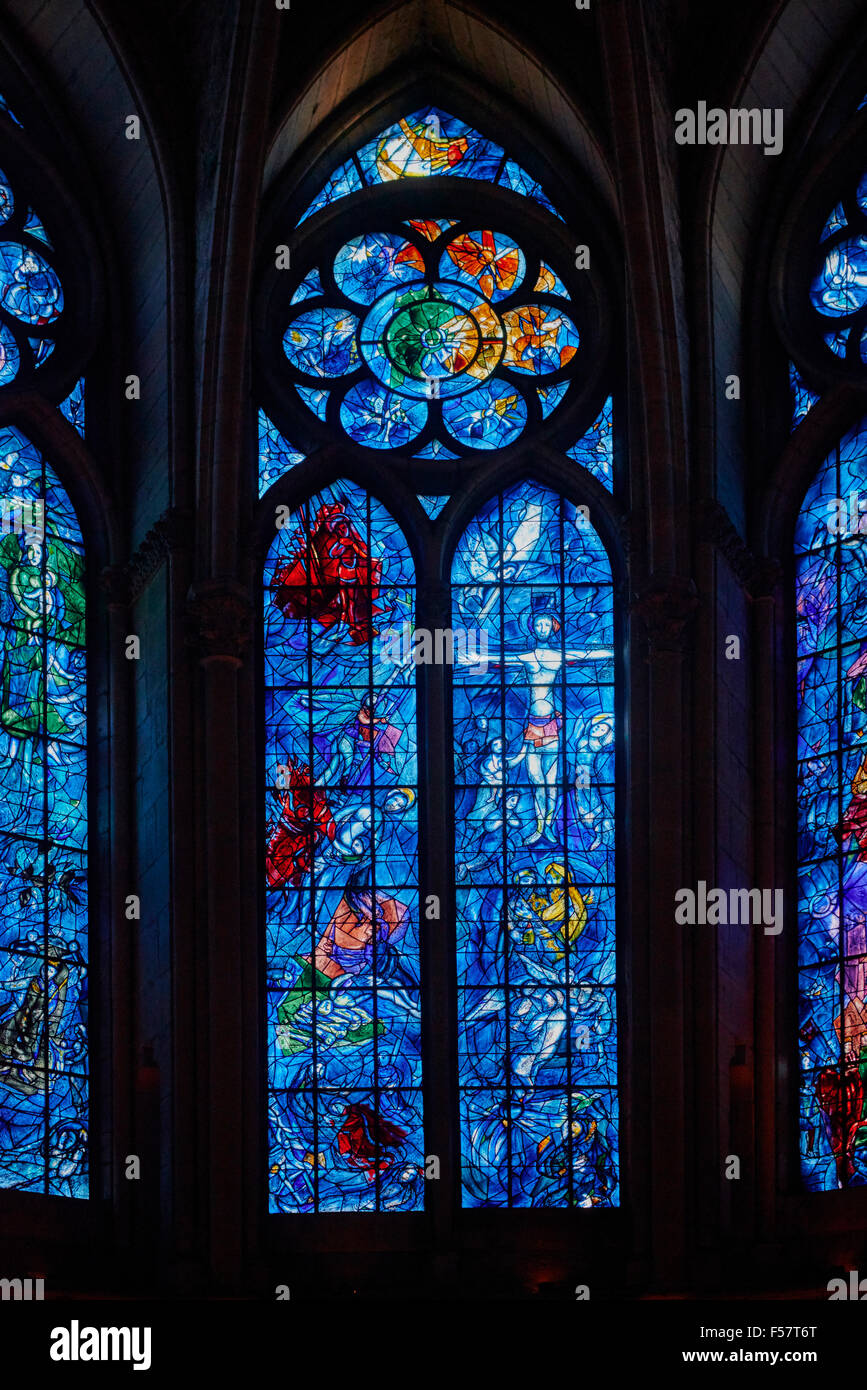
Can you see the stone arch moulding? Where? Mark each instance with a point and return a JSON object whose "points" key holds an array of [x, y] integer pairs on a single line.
{"points": [[341, 100], [69, 205], [734, 248]]}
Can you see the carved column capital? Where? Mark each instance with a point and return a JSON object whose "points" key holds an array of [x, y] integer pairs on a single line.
{"points": [[220, 618], [758, 574], [125, 583], [666, 605]]}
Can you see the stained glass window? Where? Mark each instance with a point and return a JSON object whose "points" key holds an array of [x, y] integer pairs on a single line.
{"points": [[534, 726], [427, 143], [432, 341], [437, 339], [344, 1017], [839, 288], [831, 604], [31, 296], [43, 806]]}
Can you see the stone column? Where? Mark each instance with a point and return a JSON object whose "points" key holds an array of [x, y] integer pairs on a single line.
{"points": [[221, 619]]}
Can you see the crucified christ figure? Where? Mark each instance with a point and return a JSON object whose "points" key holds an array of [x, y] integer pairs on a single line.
{"points": [[540, 750]]}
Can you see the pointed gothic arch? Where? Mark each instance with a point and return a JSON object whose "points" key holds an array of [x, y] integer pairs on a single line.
{"points": [[402, 230]]}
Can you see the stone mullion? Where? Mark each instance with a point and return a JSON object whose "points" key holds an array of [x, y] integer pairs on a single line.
{"points": [[221, 617], [657, 386], [666, 609]]}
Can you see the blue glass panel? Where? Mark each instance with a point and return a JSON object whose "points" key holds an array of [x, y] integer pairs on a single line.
{"points": [[831, 600], [435, 450], [595, 450], [424, 144], [344, 1011], [74, 406], [321, 342], [29, 287], [428, 142], [834, 223], [803, 399], [42, 349], [516, 178], [10, 357], [369, 265], [433, 505], [534, 732], [315, 398], [841, 286], [33, 225], [379, 418], [551, 396], [310, 288], [342, 182], [276, 454], [43, 837], [7, 199], [490, 418], [4, 106]]}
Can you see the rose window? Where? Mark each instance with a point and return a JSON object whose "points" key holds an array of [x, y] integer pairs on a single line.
{"points": [[31, 297], [431, 339], [839, 289]]}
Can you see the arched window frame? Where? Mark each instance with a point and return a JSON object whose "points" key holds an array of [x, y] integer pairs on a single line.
{"points": [[34, 142], [435, 540], [819, 400]]}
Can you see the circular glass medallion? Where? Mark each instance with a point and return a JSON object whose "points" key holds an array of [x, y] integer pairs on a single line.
{"points": [[380, 419], [29, 287], [491, 419], [433, 340]]}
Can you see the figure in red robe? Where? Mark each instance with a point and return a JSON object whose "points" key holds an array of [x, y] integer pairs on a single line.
{"points": [[305, 820], [331, 576], [363, 1134], [841, 1100], [841, 1092]]}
